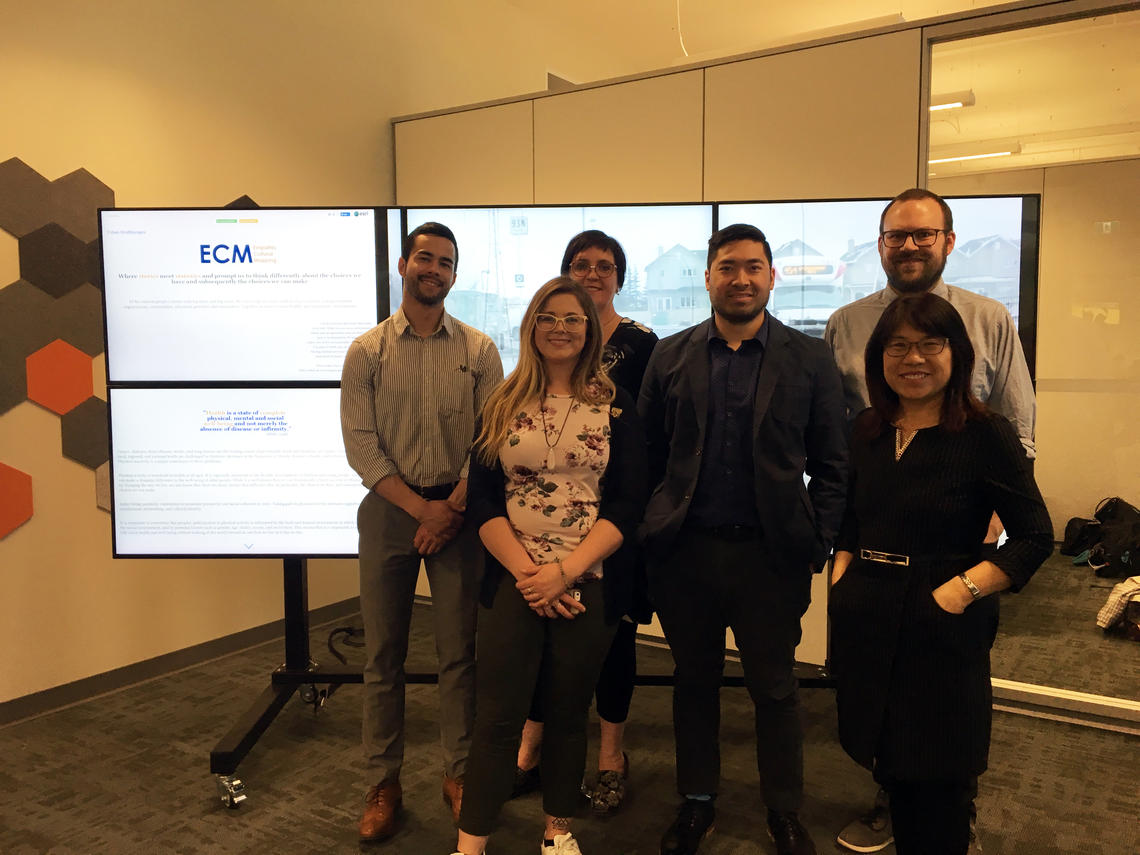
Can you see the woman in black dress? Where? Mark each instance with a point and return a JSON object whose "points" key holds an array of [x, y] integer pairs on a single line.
{"points": [[597, 261], [913, 605]]}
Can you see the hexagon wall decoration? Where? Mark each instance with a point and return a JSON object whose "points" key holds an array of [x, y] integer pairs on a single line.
{"points": [[15, 499], [59, 377]]}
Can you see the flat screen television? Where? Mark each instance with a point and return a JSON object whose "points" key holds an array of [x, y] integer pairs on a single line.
{"points": [[826, 255], [270, 294], [230, 472], [506, 253]]}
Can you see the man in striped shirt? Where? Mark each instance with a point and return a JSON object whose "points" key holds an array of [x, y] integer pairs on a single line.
{"points": [[410, 392]]}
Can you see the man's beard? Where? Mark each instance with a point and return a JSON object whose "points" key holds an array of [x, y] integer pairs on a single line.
{"points": [[417, 293], [932, 267], [738, 316]]}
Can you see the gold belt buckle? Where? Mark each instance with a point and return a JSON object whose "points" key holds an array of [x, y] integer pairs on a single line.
{"points": [[884, 557]]}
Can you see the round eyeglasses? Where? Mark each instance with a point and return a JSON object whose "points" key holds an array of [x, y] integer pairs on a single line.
{"points": [[571, 323], [581, 268], [894, 238], [926, 347]]}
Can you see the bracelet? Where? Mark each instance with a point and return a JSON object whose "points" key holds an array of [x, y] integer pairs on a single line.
{"points": [[975, 591], [565, 582]]}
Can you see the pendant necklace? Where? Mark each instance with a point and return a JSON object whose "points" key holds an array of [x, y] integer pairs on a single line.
{"points": [[901, 444], [550, 446]]}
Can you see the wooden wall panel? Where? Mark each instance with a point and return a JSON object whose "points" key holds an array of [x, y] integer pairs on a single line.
{"points": [[476, 157], [839, 120], [630, 142]]}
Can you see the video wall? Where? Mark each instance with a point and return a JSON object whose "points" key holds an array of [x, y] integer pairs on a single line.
{"points": [[226, 332], [506, 254]]}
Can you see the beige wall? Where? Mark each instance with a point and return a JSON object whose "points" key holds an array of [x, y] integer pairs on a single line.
{"points": [[195, 104]]}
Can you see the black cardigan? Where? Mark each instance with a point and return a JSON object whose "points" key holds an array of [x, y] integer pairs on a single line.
{"points": [[623, 488]]}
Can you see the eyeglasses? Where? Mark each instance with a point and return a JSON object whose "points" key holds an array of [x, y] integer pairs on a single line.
{"points": [[927, 347], [571, 323], [921, 237], [581, 268]]}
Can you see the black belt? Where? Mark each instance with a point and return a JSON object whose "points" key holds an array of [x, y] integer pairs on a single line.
{"points": [[884, 557], [906, 560], [732, 533], [436, 493]]}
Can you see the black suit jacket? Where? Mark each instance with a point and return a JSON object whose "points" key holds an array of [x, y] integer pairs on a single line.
{"points": [[798, 427]]}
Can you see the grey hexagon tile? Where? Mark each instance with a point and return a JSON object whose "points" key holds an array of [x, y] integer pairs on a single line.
{"points": [[13, 380], [25, 198], [103, 486], [9, 259], [75, 200], [53, 259], [84, 433], [95, 264], [77, 318], [26, 321]]}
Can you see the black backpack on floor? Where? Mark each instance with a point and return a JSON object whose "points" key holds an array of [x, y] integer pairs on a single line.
{"points": [[1115, 553]]}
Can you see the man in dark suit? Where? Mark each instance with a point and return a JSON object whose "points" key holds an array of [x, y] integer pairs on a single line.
{"points": [[736, 410]]}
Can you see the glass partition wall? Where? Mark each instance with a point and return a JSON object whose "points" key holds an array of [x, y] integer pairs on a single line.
{"points": [[1051, 106]]}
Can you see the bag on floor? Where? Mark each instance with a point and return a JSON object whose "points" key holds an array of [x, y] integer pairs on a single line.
{"points": [[1080, 535], [1116, 555]]}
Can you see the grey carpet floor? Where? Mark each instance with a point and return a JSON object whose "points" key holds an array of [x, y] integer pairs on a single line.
{"points": [[1049, 636], [129, 773]]}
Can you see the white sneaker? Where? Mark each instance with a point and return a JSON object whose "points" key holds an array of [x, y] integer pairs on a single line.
{"points": [[564, 844]]}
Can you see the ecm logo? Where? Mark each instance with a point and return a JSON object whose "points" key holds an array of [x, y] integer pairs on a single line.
{"points": [[223, 253]]}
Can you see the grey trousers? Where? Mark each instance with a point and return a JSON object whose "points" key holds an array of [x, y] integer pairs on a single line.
{"points": [[389, 567]]}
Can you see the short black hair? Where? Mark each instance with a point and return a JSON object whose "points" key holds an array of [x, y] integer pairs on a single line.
{"points": [[429, 228], [934, 316], [733, 233], [595, 239], [913, 195]]}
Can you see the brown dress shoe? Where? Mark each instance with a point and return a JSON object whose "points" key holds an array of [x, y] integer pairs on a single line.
{"points": [[453, 796], [382, 808]]}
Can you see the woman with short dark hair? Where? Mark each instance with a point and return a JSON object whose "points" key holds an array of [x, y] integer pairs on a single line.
{"points": [[913, 605]]}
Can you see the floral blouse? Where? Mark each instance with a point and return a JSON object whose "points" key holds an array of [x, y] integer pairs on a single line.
{"points": [[554, 475]]}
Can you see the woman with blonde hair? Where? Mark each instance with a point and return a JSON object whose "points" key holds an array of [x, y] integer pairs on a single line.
{"points": [[556, 488], [597, 262]]}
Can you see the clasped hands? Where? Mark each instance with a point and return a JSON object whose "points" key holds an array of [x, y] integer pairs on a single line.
{"points": [[544, 588], [438, 525]]}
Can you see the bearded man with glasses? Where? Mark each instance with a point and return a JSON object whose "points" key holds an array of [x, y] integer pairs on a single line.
{"points": [[916, 235]]}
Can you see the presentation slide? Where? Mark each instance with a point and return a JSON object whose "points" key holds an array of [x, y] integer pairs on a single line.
{"points": [[231, 472], [260, 295]]}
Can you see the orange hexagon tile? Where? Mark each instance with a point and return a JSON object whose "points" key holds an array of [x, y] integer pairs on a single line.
{"points": [[59, 377], [15, 499]]}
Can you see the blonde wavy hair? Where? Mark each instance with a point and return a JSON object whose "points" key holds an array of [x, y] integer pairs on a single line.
{"points": [[527, 383]]}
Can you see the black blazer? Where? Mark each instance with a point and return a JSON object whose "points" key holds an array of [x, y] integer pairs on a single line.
{"points": [[798, 427], [622, 503]]}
